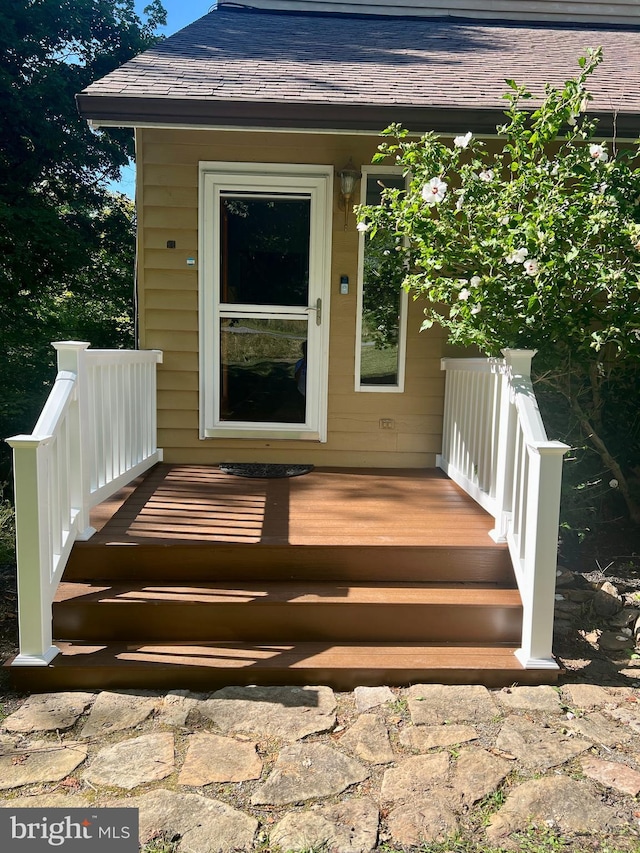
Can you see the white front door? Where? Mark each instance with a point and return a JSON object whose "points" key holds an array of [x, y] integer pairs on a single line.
{"points": [[264, 303]]}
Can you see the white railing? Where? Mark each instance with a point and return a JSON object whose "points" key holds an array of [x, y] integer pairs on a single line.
{"points": [[495, 447], [96, 433]]}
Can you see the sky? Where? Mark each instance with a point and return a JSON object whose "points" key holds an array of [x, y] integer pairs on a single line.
{"points": [[179, 14]]}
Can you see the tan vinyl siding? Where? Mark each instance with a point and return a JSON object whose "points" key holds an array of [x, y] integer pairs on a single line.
{"points": [[169, 314], [618, 12]]}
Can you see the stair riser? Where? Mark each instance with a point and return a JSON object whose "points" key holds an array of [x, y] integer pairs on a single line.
{"points": [[285, 621], [289, 562], [207, 679]]}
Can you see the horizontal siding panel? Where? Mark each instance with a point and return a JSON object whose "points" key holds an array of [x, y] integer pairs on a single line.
{"points": [[168, 259], [186, 400], [181, 360], [170, 197], [177, 380], [166, 339], [314, 455], [161, 217], [181, 321], [171, 419], [419, 443], [384, 405], [171, 300], [171, 176], [184, 280], [186, 239], [404, 424]]}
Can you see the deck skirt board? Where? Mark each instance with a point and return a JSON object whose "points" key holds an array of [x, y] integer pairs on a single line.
{"points": [[197, 579]]}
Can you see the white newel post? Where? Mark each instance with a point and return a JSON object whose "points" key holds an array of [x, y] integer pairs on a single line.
{"points": [[71, 357], [543, 513], [30, 455]]}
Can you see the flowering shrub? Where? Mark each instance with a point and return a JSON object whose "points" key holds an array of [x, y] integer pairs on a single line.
{"points": [[534, 246]]}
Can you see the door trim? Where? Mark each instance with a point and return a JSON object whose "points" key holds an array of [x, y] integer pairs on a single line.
{"points": [[318, 182]]}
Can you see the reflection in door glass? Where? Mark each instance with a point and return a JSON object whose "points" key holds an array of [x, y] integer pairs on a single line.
{"points": [[264, 258], [381, 297], [263, 370]]}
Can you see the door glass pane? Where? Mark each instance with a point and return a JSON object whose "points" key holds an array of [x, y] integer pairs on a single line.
{"points": [[263, 370], [264, 257], [381, 294]]}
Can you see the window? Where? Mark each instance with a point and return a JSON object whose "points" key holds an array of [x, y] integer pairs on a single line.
{"points": [[382, 303]]}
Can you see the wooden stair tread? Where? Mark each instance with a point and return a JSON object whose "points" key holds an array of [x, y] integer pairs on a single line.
{"points": [[343, 666], [292, 593]]}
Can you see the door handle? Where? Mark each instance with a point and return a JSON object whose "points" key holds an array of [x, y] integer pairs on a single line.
{"points": [[318, 309]]}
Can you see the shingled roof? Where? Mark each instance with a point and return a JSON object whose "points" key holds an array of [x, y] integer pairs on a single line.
{"points": [[243, 67]]}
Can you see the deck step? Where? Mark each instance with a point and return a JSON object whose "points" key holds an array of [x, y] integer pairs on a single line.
{"points": [[172, 562], [209, 666], [302, 611]]}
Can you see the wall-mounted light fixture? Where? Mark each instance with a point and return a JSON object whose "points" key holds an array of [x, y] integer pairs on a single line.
{"points": [[349, 177]]}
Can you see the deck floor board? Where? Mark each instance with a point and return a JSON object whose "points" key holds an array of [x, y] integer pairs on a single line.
{"points": [[191, 503]]}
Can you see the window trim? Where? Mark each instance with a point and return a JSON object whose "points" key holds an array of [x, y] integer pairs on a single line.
{"points": [[398, 388]]}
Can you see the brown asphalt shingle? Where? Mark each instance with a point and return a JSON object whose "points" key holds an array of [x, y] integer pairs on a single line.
{"points": [[236, 56]]}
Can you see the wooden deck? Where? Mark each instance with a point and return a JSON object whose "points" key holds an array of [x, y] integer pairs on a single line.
{"points": [[201, 504], [197, 578]]}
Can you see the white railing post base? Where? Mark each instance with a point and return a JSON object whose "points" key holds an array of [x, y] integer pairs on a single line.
{"points": [[36, 660], [86, 534], [535, 663]]}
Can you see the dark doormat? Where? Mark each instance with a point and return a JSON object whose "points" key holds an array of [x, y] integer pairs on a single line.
{"points": [[260, 470]]}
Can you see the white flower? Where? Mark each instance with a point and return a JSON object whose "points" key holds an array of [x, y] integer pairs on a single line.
{"points": [[476, 309], [613, 484], [462, 141], [460, 202], [531, 266], [598, 154], [486, 176], [517, 256], [475, 281], [362, 226], [434, 191], [464, 294], [504, 220]]}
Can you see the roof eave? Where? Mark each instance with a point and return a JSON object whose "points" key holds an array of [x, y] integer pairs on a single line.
{"points": [[137, 111]]}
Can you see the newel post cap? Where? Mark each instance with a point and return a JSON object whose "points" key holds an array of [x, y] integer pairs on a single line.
{"points": [[519, 360]]}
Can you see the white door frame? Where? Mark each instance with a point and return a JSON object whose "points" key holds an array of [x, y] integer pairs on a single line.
{"points": [[315, 182]]}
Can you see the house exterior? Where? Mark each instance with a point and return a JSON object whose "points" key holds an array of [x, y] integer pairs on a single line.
{"points": [[277, 342], [280, 95]]}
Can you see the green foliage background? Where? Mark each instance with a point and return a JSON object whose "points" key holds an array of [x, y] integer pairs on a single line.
{"points": [[67, 244]]}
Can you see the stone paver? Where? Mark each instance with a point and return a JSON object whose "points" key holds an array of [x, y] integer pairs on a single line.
{"points": [[308, 771], [598, 728], [375, 779], [557, 801], [536, 747], [368, 739], [422, 821], [372, 697], [204, 825], [288, 713], [349, 827], [544, 699], [133, 762], [478, 773], [176, 706], [613, 774], [213, 758], [40, 761], [48, 712], [414, 776], [422, 738], [431, 704], [117, 711]]}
